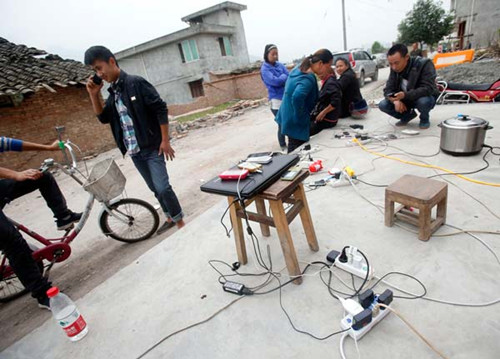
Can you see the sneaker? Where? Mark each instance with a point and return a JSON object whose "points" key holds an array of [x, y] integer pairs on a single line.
{"points": [[401, 123], [165, 226], [424, 126], [67, 222], [44, 303]]}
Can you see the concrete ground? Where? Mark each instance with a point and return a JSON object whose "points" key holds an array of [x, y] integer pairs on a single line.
{"points": [[94, 257], [172, 286]]}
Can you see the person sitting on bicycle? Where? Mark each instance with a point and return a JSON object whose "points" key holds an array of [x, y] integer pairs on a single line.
{"points": [[13, 185]]}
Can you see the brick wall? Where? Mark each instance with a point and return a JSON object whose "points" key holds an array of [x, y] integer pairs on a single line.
{"points": [[34, 120], [222, 89]]}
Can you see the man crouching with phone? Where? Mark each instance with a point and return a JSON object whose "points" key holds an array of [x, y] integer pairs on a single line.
{"points": [[411, 85], [139, 121]]}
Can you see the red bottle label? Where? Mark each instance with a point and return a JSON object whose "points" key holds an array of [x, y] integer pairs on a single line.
{"points": [[76, 327]]}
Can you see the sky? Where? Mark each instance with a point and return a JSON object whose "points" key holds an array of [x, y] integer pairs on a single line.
{"points": [[69, 27]]}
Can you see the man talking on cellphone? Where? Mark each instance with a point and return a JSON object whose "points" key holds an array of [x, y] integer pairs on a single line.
{"points": [[139, 121]]}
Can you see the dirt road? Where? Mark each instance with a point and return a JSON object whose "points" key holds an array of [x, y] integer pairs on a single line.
{"points": [[199, 157]]}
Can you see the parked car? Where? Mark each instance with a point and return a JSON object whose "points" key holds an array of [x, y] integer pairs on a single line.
{"points": [[381, 60], [361, 62]]}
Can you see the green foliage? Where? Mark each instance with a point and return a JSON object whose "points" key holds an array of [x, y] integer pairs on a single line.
{"points": [[377, 48], [201, 114], [427, 22]]}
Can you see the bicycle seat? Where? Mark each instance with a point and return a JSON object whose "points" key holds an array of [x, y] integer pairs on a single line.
{"points": [[470, 87]]}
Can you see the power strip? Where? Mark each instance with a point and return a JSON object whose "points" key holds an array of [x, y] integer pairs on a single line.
{"points": [[377, 315], [355, 264]]}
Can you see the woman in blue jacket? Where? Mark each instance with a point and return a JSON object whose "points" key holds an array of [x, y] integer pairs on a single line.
{"points": [[274, 75], [301, 95]]}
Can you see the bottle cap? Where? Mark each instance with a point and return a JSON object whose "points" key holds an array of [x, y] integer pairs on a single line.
{"points": [[52, 292]]}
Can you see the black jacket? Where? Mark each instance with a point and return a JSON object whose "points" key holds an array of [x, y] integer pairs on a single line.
{"points": [[330, 94], [421, 80], [350, 91], [147, 110]]}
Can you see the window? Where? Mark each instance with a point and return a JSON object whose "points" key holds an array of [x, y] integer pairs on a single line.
{"points": [[196, 88], [225, 46], [188, 51], [358, 56]]}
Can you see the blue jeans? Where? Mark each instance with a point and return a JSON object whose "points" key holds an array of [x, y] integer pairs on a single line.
{"points": [[424, 105], [154, 171], [281, 137]]}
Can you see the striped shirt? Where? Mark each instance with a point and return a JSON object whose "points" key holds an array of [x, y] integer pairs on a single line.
{"points": [[10, 144], [127, 126]]}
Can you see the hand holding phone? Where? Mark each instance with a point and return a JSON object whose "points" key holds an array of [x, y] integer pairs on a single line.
{"points": [[96, 79]]}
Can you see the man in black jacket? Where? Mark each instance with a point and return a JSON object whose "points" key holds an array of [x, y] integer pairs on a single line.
{"points": [[411, 85], [139, 121]]}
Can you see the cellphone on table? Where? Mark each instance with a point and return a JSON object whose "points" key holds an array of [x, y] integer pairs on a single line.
{"points": [[290, 174], [96, 79]]}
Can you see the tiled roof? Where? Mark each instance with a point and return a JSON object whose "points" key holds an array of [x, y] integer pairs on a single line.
{"points": [[23, 72]]}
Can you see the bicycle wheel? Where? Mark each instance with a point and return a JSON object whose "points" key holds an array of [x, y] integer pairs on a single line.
{"points": [[10, 285], [131, 220]]}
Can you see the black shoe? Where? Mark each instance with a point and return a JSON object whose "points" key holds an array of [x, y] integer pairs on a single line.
{"points": [[67, 222], [165, 226], [44, 303]]}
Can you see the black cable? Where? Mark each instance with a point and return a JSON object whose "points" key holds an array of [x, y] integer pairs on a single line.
{"points": [[405, 275], [467, 173], [492, 148]]}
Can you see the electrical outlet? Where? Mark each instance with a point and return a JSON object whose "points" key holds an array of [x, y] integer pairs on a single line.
{"points": [[377, 315], [355, 264]]}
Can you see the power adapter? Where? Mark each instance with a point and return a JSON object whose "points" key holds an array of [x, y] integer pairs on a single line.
{"points": [[385, 298], [236, 288], [366, 298], [330, 257], [362, 319]]}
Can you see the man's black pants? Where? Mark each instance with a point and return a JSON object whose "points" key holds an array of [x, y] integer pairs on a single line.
{"points": [[13, 244]]}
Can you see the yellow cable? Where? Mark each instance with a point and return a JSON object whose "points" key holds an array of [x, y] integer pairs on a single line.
{"points": [[425, 166]]}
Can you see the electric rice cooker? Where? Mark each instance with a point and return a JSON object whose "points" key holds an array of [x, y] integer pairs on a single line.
{"points": [[463, 135]]}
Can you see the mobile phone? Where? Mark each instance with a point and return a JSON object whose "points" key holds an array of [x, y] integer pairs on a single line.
{"points": [[96, 79], [391, 94], [289, 175]]}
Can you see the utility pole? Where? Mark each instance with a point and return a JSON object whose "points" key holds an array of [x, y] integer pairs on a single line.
{"points": [[343, 24]]}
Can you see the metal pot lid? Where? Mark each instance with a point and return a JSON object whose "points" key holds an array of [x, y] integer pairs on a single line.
{"points": [[465, 121]]}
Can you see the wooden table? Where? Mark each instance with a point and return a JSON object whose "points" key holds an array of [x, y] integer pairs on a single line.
{"points": [[279, 193], [422, 194]]}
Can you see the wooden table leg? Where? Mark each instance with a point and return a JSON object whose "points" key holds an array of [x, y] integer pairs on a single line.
{"points": [[239, 235], [305, 217], [286, 241], [261, 209], [424, 223], [389, 211]]}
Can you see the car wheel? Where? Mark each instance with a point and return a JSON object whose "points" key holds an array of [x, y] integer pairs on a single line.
{"points": [[375, 76], [362, 79]]}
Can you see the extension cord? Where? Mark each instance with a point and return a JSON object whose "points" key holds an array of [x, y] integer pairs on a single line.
{"points": [[377, 315], [363, 142], [355, 264]]}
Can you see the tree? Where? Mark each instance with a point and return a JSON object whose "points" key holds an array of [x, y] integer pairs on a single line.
{"points": [[427, 22], [377, 48]]}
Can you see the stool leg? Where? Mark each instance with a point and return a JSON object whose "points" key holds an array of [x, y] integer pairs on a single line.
{"points": [[441, 209], [286, 241], [261, 209], [424, 223], [389, 211], [305, 217], [239, 236]]}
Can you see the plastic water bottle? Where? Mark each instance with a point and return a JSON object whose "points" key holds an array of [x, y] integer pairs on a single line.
{"points": [[67, 315]]}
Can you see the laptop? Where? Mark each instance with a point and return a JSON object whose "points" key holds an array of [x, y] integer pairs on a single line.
{"points": [[255, 182]]}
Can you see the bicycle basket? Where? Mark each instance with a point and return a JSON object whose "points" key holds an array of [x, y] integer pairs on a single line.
{"points": [[106, 181]]}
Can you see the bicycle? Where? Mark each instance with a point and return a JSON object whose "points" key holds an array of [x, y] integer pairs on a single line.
{"points": [[124, 219]]}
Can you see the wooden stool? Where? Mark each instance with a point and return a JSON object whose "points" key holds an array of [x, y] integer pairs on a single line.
{"points": [[421, 193], [291, 192]]}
